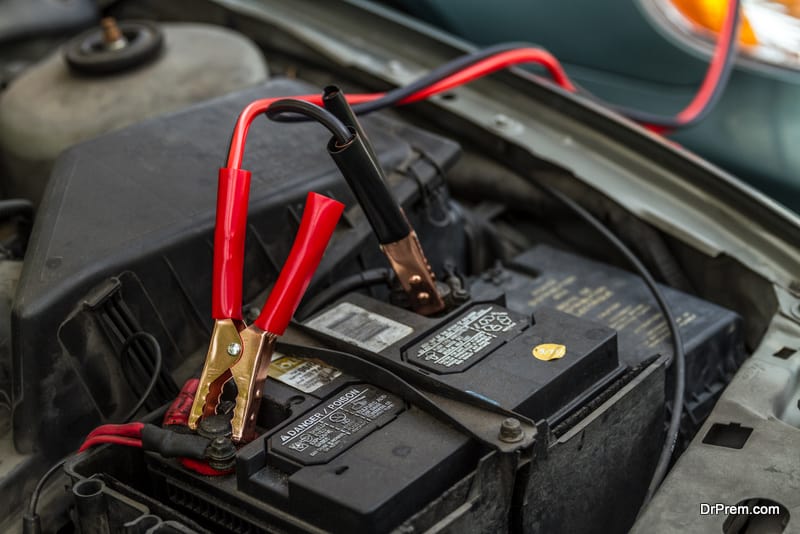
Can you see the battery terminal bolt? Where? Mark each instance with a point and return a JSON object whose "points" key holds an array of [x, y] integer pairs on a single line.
{"points": [[221, 453]]}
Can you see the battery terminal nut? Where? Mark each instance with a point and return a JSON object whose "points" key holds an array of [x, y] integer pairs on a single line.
{"points": [[221, 453]]}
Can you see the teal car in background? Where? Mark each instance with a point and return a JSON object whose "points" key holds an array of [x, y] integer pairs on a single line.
{"points": [[649, 55]]}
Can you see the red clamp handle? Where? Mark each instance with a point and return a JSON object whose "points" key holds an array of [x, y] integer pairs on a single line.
{"points": [[233, 194], [320, 216]]}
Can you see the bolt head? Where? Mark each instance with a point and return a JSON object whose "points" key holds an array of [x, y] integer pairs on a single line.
{"points": [[507, 124], [415, 279], [423, 296], [511, 430], [234, 349], [501, 120], [396, 67]]}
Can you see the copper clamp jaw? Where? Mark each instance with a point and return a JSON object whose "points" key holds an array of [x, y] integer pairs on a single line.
{"points": [[414, 274], [242, 354], [356, 159]]}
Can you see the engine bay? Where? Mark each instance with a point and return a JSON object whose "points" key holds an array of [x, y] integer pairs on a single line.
{"points": [[472, 354]]}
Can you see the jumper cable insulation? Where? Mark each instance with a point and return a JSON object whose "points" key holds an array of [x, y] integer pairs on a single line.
{"points": [[501, 57]]}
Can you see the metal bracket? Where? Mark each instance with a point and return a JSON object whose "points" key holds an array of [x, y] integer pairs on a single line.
{"points": [[473, 415]]}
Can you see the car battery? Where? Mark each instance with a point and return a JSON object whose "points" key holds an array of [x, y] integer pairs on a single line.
{"points": [[341, 453], [547, 278], [362, 459]]}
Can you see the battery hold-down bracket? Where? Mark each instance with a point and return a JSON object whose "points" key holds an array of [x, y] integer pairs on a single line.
{"points": [[472, 414]]}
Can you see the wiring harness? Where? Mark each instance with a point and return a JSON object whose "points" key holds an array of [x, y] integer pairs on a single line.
{"points": [[208, 456]]}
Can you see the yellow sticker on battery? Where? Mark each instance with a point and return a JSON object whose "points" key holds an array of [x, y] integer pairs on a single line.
{"points": [[549, 351]]}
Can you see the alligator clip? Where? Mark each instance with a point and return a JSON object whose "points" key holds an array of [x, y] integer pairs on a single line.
{"points": [[399, 243], [243, 352]]}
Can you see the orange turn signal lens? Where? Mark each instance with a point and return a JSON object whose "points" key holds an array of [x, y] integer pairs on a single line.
{"points": [[710, 14], [769, 30]]}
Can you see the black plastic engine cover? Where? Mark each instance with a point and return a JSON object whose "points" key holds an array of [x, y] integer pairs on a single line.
{"points": [[131, 213]]}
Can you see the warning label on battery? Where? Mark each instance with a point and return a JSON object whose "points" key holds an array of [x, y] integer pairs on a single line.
{"points": [[302, 374], [339, 422], [360, 327], [467, 339]]}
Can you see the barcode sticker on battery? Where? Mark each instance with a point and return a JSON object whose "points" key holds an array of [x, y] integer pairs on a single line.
{"points": [[302, 374], [360, 327]]}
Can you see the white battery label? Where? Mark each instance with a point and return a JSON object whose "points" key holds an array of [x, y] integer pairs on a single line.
{"points": [[359, 327]]}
